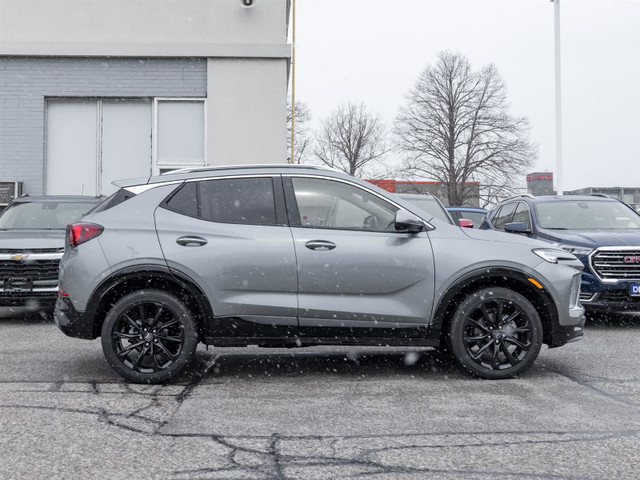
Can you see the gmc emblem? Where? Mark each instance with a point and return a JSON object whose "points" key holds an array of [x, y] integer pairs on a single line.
{"points": [[632, 259]]}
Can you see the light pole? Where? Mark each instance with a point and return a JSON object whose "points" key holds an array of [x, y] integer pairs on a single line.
{"points": [[559, 180], [293, 81]]}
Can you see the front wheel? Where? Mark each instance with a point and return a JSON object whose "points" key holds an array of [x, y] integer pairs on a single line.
{"points": [[149, 336], [495, 333]]}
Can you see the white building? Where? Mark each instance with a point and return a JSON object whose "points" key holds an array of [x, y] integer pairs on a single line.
{"points": [[93, 91]]}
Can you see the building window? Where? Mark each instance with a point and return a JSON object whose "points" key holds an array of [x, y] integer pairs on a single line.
{"points": [[92, 142], [180, 133]]}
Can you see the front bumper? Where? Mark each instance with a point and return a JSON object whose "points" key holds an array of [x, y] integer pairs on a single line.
{"points": [[617, 302], [34, 300], [596, 295], [70, 321], [572, 332]]}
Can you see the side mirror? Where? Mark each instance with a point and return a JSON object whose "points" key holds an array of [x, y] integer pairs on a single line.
{"points": [[465, 223], [407, 222], [516, 227]]}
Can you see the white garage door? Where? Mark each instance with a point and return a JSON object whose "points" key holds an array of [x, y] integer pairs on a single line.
{"points": [[91, 143]]}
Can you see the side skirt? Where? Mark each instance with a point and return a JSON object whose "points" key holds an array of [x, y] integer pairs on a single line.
{"points": [[295, 342]]}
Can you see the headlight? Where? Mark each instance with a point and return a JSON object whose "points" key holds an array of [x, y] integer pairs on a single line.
{"points": [[553, 255], [576, 249]]}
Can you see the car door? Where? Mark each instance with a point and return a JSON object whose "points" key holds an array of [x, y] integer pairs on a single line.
{"points": [[355, 271], [230, 236]]}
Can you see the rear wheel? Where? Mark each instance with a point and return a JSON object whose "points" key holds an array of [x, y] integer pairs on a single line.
{"points": [[149, 336], [496, 333]]}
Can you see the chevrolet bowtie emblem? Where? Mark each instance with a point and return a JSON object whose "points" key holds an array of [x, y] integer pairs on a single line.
{"points": [[18, 256]]}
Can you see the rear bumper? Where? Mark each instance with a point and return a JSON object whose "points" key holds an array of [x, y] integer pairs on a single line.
{"points": [[70, 321]]}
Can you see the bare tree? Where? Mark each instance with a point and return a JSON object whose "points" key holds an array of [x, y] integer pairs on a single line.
{"points": [[303, 136], [351, 139], [455, 128]]}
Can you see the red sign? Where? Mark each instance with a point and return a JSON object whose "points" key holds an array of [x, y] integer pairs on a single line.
{"points": [[540, 176]]}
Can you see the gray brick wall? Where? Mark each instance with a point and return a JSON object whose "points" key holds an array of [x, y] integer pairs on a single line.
{"points": [[25, 83]]}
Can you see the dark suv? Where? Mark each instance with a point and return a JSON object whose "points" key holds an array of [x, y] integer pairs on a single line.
{"points": [[604, 233], [292, 256]]}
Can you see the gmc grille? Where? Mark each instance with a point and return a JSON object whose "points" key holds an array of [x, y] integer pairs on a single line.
{"points": [[609, 264]]}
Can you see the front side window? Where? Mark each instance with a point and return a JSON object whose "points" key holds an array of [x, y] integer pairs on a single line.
{"points": [[522, 215], [504, 216], [331, 204], [230, 200]]}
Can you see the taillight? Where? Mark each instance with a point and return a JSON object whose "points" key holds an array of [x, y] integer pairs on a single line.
{"points": [[78, 233]]}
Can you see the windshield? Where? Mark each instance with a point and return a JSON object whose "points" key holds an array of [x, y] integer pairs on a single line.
{"points": [[44, 215], [586, 215], [430, 205]]}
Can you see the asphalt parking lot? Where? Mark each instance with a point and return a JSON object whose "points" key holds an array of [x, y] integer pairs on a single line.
{"points": [[319, 413]]}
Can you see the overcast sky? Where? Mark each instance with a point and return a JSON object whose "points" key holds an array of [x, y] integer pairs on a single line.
{"points": [[373, 50]]}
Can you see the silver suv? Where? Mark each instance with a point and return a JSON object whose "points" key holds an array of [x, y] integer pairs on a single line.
{"points": [[300, 256]]}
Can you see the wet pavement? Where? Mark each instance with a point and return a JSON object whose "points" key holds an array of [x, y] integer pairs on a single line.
{"points": [[319, 413]]}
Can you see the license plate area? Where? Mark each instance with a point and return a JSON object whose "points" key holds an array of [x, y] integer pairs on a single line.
{"points": [[634, 289], [18, 285]]}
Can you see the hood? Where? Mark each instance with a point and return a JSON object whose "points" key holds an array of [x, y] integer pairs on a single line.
{"points": [[593, 238], [495, 236], [31, 239]]}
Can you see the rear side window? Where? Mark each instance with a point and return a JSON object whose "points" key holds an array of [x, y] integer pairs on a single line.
{"points": [[115, 199], [243, 200], [233, 200], [185, 200]]}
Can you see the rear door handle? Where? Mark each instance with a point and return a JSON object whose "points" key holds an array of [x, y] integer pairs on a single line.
{"points": [[320, 245], [188, 241]]}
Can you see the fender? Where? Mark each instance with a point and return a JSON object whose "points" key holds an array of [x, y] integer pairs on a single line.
{"points": [[513, 278], [138, 273]]}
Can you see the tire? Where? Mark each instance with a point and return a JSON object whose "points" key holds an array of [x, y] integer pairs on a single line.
{"points": [[149, 336], [495, 333]]}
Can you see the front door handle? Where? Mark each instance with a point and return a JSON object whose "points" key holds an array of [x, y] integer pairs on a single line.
{"points": [[320, 245], [189, 241]]}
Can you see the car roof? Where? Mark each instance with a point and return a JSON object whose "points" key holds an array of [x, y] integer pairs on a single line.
{"points": [[57, 199], [203, 172], [562, 198], [415, 195]]}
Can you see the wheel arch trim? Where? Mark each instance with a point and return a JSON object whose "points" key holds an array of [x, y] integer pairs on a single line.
{"points": [[139, 273], [499, 277]]}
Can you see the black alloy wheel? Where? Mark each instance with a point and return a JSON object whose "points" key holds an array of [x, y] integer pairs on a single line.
{"points": [[496, 333], [149, 336]]}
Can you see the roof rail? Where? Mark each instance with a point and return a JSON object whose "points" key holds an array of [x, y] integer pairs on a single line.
{"points": [[603, 195], [525, 195], [248, 166]]}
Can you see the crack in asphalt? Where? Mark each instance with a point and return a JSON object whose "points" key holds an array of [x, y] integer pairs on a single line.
{"points": [[273, 456], [589, 384], [272, 461]]}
